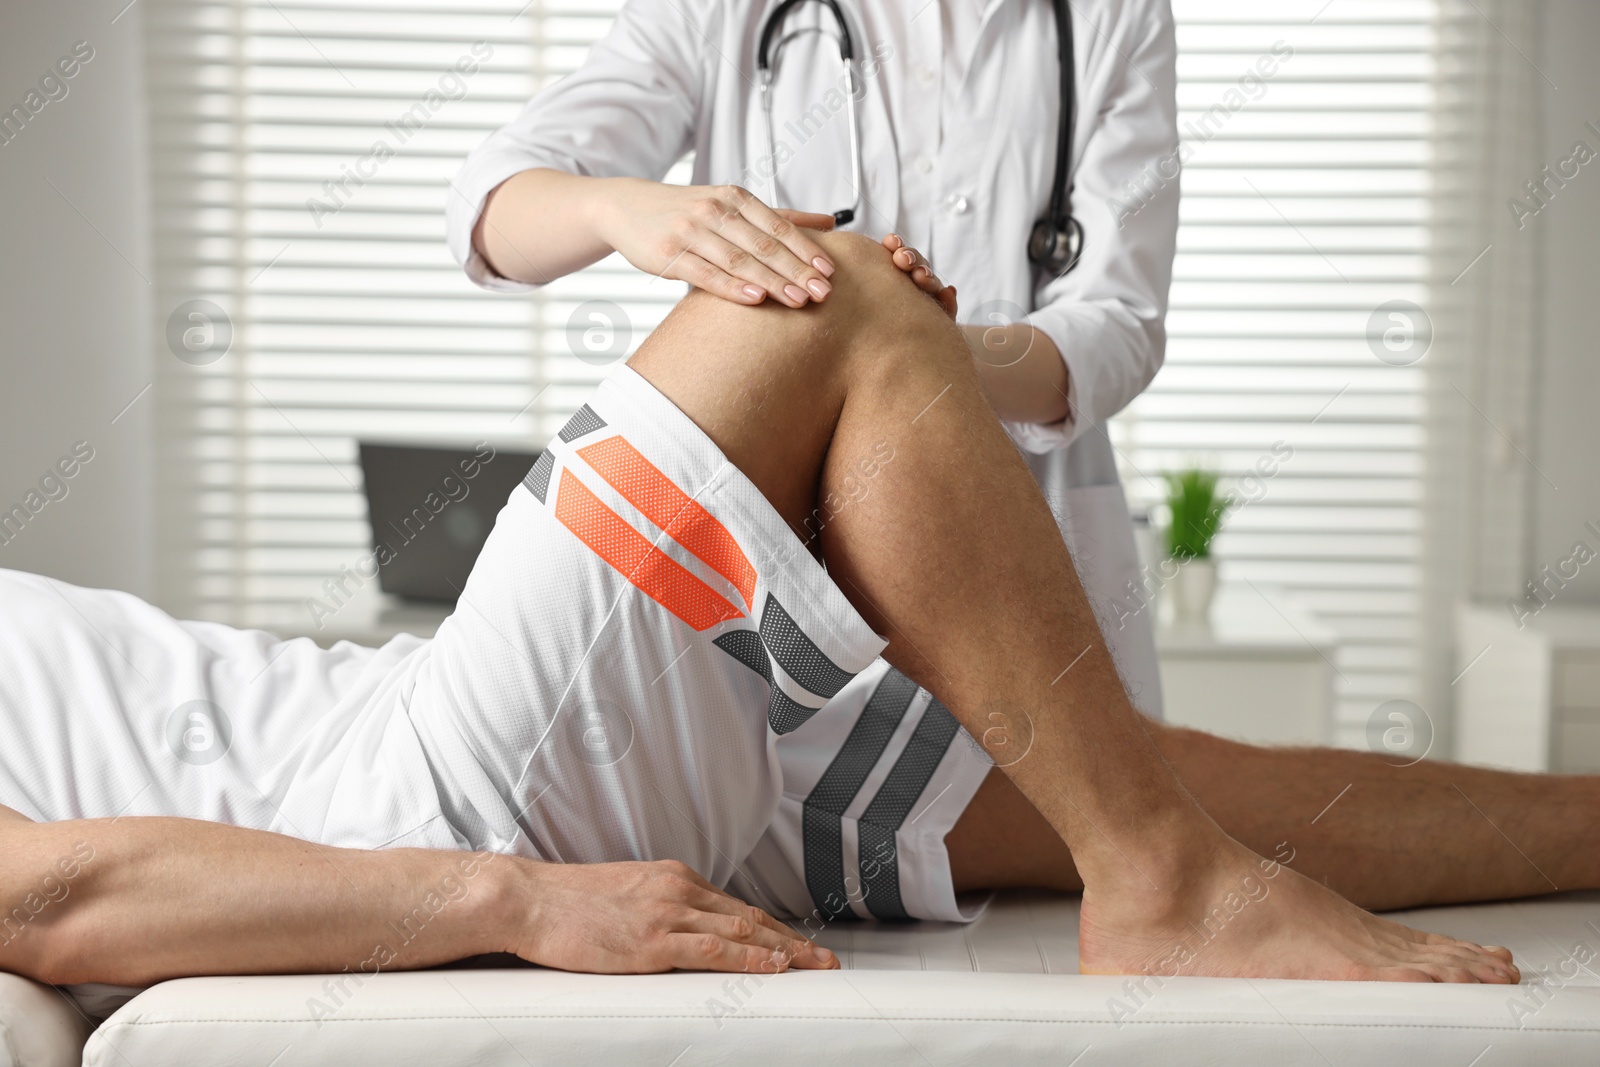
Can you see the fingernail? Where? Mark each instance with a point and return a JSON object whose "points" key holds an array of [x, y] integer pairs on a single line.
{"points": [[795, 293], [819, 288], [823, 954], [754, 292], [824, 266]]}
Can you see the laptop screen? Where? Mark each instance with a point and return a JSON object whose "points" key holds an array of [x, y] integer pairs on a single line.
{"points": [[430, 510]]}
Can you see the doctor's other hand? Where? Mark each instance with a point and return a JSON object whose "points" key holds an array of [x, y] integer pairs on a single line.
{"points": [[644, 918], [720, 238], [910, 260]]}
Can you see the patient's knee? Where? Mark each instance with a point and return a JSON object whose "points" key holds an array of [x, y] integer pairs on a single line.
{"points": [[873, 306], [864, 267], [856, 250], [873, 293]]}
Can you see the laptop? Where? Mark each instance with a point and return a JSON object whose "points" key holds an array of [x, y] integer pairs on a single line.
{"points": [[430, 510]]}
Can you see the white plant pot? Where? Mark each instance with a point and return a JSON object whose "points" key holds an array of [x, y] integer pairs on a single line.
{"points": [[1192, 590]]}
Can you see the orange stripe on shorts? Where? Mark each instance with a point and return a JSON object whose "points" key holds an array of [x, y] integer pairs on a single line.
{"points": [[656, 574], [643, 485]]}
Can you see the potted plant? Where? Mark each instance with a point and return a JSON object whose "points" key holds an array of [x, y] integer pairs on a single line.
{"points": [[1196, 511]]}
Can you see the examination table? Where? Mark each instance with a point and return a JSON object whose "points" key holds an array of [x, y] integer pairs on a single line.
{"points": [[1002, 991]]}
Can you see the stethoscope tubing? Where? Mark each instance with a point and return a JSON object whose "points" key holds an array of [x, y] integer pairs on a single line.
{"points": [[768, 72], [1056, 242]]}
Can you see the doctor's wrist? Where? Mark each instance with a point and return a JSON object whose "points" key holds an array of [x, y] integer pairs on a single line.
{"points": [[1022, 373], [610, 209]]}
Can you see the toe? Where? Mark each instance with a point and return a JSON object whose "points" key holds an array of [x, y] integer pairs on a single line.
{"points": [[1496, 973], [1500, 969], [1483, 967], [1451, 972], [1402, 974]]}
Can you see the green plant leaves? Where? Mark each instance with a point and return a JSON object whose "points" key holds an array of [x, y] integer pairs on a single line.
{"points": [[1197, 513]]}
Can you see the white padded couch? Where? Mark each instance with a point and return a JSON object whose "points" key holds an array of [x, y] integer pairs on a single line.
{"points": [[1002, 991]]}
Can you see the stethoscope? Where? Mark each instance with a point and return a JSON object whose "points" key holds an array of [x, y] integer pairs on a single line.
{"points": [[1056, 241]]}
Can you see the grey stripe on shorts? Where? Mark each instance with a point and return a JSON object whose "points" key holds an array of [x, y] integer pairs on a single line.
{"points": [[797, 654], [538, 479], [583, 421], [877, 855], [823, 810], [782, 640], [784, 713]]}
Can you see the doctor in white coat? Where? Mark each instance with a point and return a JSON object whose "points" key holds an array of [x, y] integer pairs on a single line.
{"points": [[943, 129]]}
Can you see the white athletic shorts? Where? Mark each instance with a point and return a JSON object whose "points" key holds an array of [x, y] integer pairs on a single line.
{"points": [[646, 663]]}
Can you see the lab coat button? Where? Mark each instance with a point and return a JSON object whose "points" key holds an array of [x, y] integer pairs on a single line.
{"points": [[958, 204], [925, 73], [924, 164]]}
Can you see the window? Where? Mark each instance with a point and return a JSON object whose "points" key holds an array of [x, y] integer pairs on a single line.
{"points": [[302, 150], [1305, 210]]}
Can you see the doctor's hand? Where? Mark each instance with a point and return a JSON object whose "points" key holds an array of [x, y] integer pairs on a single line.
{"points": [[910, 260], [1019, 388], [719, 238]]}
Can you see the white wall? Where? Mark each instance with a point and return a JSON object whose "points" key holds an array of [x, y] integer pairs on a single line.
{"points": [[1566, 417], [74, 295]]}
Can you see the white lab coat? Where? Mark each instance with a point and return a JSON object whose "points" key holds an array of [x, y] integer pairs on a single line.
{"points": [[960, 167]]}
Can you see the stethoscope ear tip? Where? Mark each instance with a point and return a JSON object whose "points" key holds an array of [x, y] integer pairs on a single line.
{"points": [[845, 217]]}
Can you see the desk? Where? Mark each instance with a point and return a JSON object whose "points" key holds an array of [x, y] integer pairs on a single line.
{"points": [[1261, 671]]}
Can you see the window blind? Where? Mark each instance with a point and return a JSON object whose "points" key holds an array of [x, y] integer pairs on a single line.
{"points": [[302, 154], [1305, 208], [1305, 213]]}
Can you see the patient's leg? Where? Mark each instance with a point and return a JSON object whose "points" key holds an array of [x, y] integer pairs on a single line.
{"points": [[950, 549], [1383, 836]]}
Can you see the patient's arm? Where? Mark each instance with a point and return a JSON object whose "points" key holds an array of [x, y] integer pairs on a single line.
{"points": [[136, 900]]}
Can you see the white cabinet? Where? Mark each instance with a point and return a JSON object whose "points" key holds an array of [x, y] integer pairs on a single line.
{"points": [[1260, 671], [1528, 696]]}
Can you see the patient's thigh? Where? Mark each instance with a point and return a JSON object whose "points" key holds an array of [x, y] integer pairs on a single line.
{"points": [[604, 690]]}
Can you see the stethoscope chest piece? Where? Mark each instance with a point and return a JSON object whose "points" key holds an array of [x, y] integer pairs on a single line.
{"points": [[1054, 246]]}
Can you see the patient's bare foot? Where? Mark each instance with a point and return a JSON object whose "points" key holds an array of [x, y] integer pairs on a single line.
{"points": [[1241, 916]]}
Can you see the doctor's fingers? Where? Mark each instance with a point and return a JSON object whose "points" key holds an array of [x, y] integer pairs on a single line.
{"points": [[722, 270], [810, 220], [767, 260], [912, 262], [788, 228], [737, 246], [689, 267]]}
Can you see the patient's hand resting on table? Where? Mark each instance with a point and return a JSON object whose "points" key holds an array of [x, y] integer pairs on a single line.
{"points": [[139, 899]]}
